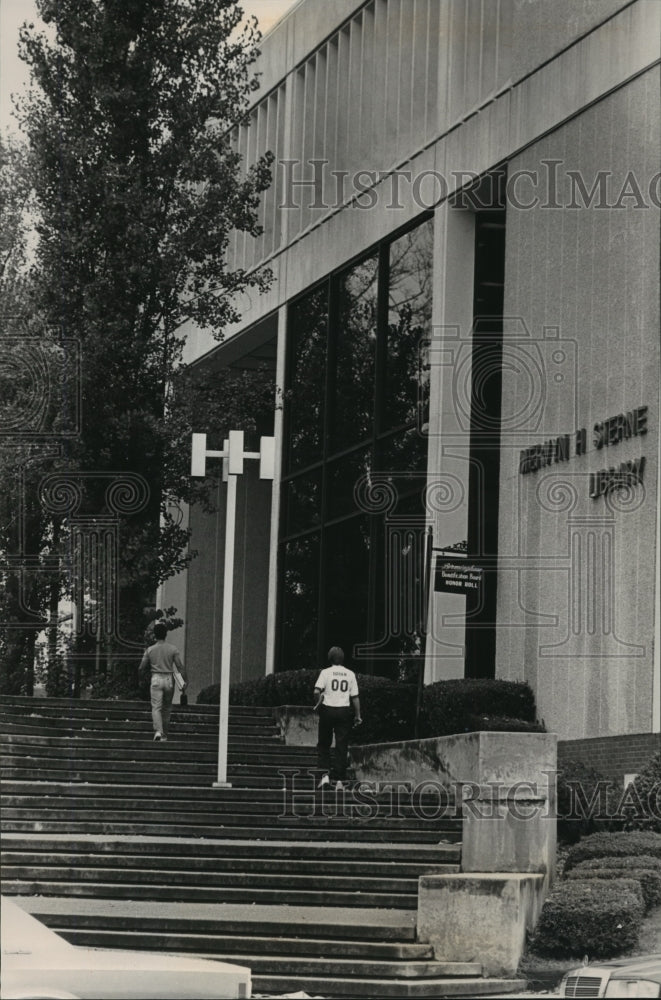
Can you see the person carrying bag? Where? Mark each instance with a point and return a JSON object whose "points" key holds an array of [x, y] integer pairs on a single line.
{"points": [[166, 667]]}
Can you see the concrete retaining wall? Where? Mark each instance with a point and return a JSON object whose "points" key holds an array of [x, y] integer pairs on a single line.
{"points": [[506, 785], [298, 724]]}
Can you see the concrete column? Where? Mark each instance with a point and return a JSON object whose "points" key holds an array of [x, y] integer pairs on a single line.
{"points": [[275, 495], [449, 424]]}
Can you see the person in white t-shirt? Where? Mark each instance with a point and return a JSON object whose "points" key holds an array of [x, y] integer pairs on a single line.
{"points": [[337, 701]]}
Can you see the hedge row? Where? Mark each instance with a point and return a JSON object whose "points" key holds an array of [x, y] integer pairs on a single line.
{"points": [[590, 916], [625, 844], [460, 706], [648, 875], [389, 709]]}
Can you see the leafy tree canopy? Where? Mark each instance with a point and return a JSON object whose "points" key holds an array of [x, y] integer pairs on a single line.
{"points": [[138, 189]]}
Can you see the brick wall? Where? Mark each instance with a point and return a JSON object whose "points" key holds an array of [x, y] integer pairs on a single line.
{"points": [[612, 756]]}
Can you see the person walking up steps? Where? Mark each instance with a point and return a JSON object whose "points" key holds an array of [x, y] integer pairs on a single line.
{"points": [[337, 700], [162, 658]]}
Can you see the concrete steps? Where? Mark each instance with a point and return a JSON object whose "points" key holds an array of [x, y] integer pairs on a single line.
{"points": [[118, 842], [322, 950]]}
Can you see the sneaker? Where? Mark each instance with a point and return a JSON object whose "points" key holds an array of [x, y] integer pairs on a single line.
{"points": [[158, 737], [164, 738], [339, 786], [325, 780]]}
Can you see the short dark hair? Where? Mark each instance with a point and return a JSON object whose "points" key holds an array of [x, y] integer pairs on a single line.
{"points": [[160, 630], [335, 655]]}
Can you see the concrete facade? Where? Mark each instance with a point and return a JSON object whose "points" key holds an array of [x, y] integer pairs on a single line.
{"points": [[503, 907], [561, 100]]}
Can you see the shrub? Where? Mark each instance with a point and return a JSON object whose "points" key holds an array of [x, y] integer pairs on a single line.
{"points": [[614, 845], [578, 786], [459, 706], [388, 712], [644, 812], [591, 917], [645, 870]]}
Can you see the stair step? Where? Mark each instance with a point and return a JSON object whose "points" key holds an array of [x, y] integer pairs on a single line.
{"points": [[333, 805], [202, 776], [335, 962], [257, 866], [114, 933], [189, 847], [54, 748], [117, 735], [207, 893], [82, 872], [268, 833], [305, 794], [228, 817], [399, 988], [386, 925], [91, 706]]}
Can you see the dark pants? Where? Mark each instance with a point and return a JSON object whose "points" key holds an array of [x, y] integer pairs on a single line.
{"points": [[338, 721]]}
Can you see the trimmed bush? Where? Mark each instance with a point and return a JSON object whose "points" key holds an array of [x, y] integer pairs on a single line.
{"points": [[460, 706], [578, 786], [591, 916], [647, 871], [614, 845], [642, 805], [388, 712], [388, 708]]}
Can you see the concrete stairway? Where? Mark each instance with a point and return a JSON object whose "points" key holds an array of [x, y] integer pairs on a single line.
{"points": [[119, 842]]}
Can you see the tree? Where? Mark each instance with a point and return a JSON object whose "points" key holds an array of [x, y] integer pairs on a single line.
{"points": [[138, 189]]}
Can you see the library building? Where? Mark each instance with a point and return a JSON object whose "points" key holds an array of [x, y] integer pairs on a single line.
{"points": [[462, 332]]}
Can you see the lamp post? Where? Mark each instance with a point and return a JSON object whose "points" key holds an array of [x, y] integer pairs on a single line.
{"points": [[233, 456]]}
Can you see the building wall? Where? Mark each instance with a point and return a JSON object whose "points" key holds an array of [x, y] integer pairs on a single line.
{"points": [[577, 580], [615, 757], [447, 90]]}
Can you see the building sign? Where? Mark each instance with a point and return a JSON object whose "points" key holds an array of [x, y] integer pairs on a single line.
{"points": [[457, 576], [605, 434]]}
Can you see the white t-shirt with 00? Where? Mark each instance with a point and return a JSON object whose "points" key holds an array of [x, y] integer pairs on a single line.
{"points": [[338, 685]]}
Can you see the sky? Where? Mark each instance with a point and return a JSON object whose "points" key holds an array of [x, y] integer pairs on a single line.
{"points": [[13, 72]]}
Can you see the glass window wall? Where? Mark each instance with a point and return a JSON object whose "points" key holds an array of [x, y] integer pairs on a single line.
{"points": [[354, 456]]}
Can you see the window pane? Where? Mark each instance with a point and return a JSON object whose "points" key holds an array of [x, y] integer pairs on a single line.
{"points": [[300, 602], [308, 329], [409, 326], [343, 474], [399, 606], [347, 583], [405, 455], [303, 500], [353, 397]]}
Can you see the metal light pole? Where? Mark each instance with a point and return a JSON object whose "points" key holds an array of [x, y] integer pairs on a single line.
{"points": [[232, 456]]}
